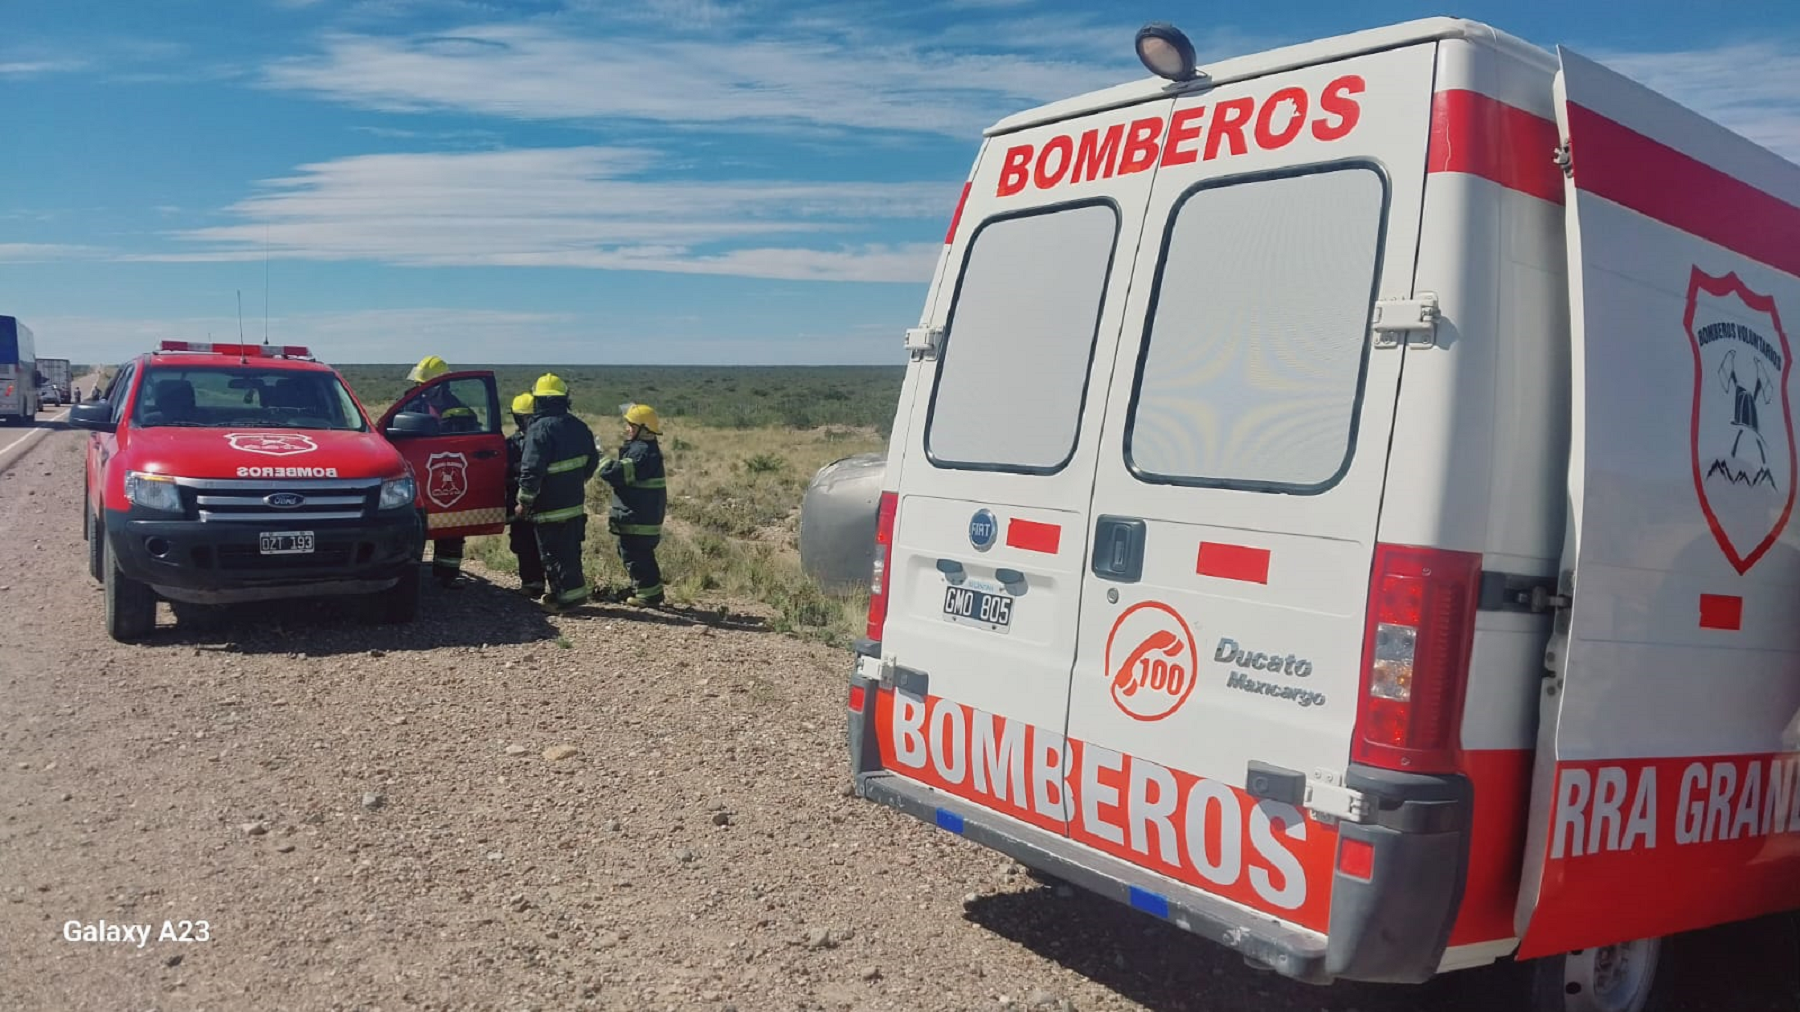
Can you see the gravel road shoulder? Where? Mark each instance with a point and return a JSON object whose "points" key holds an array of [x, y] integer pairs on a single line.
{"points": [[495, 809]]}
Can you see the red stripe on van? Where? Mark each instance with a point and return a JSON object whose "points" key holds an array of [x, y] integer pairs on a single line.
{"points": [[956, 218], [1233, 562], [1500, 780], [1721, 611], [1033, 536], [1485, 137], [1618, 163]]}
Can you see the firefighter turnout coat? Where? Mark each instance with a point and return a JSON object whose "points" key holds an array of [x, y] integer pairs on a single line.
{"points": [[639, 492], [558, 458]]}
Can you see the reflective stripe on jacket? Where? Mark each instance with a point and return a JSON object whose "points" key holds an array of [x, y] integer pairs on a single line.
{"points": [[640, 492], [556, 461]]}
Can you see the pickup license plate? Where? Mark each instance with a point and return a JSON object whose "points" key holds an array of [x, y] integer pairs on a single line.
{"points": [[978, 608], [286, 542]]}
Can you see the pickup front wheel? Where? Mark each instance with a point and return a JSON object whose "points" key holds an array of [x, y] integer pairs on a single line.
{"points": [[130, 606]]}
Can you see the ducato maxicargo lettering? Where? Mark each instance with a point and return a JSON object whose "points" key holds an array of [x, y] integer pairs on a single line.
{"points": [[226, 473], [1368, 672]]}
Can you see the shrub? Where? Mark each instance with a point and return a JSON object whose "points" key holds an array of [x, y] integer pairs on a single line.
{"points": [[764, 463]]}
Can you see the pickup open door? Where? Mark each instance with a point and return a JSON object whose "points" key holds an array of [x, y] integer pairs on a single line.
{"points": [[1666, 795], [461, 468]]}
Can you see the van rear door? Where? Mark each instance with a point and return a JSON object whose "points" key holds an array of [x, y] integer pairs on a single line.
{"points": [[996, 465], [1666, 795], [1240, 472]]}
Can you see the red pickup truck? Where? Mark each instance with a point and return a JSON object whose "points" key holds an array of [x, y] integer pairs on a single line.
{"points": [[220, 473]]}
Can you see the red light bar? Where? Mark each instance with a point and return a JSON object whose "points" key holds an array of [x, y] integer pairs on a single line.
{"points": [[240, 350]]}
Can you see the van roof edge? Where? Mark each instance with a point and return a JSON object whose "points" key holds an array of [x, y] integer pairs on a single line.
{"points": [[1274, 61]]}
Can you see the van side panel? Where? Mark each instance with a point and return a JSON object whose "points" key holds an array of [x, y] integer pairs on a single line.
{"points": [[1676, 701], [1481, 426]]}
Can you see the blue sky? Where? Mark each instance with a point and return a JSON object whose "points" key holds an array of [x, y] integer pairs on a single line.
{"points": [[595, 181]]}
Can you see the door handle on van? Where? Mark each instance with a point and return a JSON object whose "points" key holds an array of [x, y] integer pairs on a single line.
{"points": [[1119, 549]]}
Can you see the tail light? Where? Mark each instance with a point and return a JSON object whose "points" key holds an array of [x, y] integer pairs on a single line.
{"points": [[878, 575], [1421, 627]]}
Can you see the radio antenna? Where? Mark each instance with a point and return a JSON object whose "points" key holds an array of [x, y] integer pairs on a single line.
{"points": [[265, 283], [242, 358]]}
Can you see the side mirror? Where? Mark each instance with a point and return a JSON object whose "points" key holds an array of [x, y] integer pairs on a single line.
{"points": [[412, 425], [95, 416]]}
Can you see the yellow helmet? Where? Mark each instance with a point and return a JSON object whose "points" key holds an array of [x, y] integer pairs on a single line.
{"points": [[550, 385], [430, 367], [643, 416], [524, 404]]}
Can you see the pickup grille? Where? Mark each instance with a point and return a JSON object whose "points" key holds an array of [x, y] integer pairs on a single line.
{"points": [[286, 503]]}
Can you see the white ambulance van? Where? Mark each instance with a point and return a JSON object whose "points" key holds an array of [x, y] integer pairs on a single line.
{"points": [[1340, 503]]}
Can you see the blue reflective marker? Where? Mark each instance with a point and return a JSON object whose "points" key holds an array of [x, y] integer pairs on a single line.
{"points": [[946, 819], [1149, 902]]}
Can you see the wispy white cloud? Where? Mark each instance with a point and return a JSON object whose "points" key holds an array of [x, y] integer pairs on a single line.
{"points": [[35, 252], [537, 72], [40, 68], [1763, 106], [464, 336], [114, 58], [447, 137], [377, 335], [592, 207]]}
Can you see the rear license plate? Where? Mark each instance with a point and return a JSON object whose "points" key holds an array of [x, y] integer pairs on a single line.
{"points": [[978, 608], [286, 542]]}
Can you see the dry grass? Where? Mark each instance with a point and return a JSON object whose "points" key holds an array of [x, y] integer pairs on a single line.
{"points": [[731, 535]]}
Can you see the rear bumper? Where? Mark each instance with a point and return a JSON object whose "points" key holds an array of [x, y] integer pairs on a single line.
{"points": [[219, 563], [1291, 951], [1393, 927]]}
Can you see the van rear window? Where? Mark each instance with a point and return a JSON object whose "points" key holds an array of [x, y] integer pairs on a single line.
{"points": [[1013, 371], [1253, 360]]}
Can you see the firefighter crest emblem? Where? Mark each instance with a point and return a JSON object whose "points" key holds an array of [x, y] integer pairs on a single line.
{"points": [[446, 478], [275, 444], [1743, 426]]}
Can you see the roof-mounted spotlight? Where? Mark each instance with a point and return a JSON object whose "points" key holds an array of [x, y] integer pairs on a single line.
{"points": [[1166, 52]]}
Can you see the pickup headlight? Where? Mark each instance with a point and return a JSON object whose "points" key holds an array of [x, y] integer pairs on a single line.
{"points": [[397, 492], [153, 491]]}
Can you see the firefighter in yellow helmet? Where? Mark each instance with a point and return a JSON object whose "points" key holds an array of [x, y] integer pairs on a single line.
{"points": [[438, 401], [521, 537], [639, 499], [555, 463]]}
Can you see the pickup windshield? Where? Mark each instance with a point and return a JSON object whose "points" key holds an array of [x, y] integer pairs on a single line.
{"points": [[245, 397]]}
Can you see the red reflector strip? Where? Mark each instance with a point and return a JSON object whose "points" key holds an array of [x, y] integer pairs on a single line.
{"points": [[1356, 858], [1233, 562], [1033, 536], [857, 696], [956, 219], [1721, 611]]}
